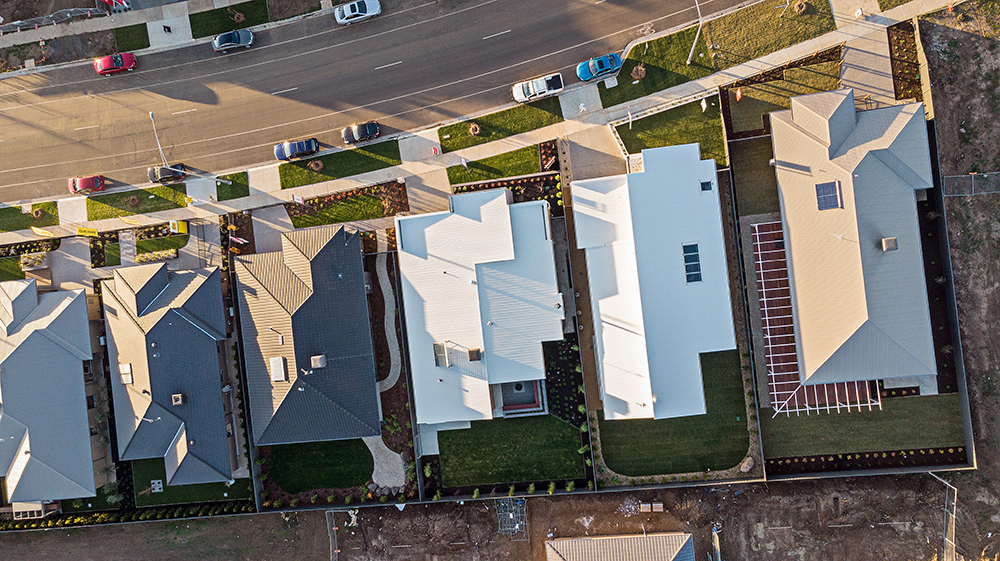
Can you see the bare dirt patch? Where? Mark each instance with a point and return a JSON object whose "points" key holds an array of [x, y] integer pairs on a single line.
{"points": [[14, 10], [60, 49], [283, 9]]}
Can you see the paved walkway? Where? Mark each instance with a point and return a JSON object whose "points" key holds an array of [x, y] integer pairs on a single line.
{"points": [[389, 468], [268, 224], [866, 68], [390, 312]]}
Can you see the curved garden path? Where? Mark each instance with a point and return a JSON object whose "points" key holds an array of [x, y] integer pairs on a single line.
{"points": [[389, 469], [390, 313]]}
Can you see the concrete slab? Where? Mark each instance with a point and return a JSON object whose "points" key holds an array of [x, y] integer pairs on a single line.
{"points": [[867, 69], [595, 153], [844, 11], [177, 22], [264, 179], [268, 224], [579, 101], [428, 192], [72, 211], [202, 190], [422, 145], [389, 468], [70, 266]]}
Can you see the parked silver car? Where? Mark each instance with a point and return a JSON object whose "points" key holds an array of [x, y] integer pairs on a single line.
{"points": [[359, 10]]}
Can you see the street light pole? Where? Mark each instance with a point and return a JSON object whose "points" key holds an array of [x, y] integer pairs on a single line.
{"points": [[697, 34], [162, 157]]}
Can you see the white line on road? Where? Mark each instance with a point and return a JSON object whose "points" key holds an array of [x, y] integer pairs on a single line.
{"points": [[495, 35], [388, 65], [84, 128], [185, 111], [600, 1], [285, 91]]}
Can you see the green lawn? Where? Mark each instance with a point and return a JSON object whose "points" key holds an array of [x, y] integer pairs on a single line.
{"points": [[153, 199], [717, 440], [89, 504], [239, 188], [494, 126], [343, 163], [334, 464], [757, 30], [361, 207], [889, 4], [536, 448], [12, 219], [220, 20], [904, 422], [144, 471], [680, 125], [131, 38], [10, 268], [665, 61], [753, 177], [149, 245], [522, 161], [760, 99], [112, 255]]}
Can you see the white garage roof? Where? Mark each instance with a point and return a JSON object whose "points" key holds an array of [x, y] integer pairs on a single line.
{"points": [[650, 322]]}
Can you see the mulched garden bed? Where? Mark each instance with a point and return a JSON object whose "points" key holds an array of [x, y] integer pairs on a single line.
{"points": [[535, 188], [240, 225], [930, 220], [833, 54], [548, 156], [868, 460], [564, 380], [392, 193], [905, 65], [28, 247], [889, 393]]}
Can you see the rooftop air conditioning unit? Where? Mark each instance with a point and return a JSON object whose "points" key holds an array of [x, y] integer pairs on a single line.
{"points": [[475, 355]]}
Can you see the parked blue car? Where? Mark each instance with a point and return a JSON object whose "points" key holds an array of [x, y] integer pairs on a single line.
{"points": [[598, 67], [288, 150]]}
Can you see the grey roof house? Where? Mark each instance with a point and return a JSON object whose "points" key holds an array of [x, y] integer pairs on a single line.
{"points": [[164, 336], [44, 433], [668, 546], [848, 183], [307, 343]]}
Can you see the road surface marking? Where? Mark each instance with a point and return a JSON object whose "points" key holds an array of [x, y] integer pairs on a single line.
{"points": [[388, 65], [285, 91], [495, 35], [85, 128], [600, 1], [185, 111]]}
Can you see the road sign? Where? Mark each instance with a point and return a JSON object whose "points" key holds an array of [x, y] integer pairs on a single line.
{"points": [[92, 232], [298, 199]]}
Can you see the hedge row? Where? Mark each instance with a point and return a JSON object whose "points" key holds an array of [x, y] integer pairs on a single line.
{"points": [[84, 519]]}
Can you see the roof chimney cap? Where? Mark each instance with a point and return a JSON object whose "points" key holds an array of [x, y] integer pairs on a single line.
{"points": [[889, 244], [177, 399]]}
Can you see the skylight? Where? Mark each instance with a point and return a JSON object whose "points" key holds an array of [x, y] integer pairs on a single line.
{"points": [[828, 195]]}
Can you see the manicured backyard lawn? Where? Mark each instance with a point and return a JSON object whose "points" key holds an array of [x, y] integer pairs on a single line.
{"points": [[89, 504], [12, 219], [361, 207], [153, 199], [494, 126], [145, 471], [716, 440], [760, 99], [903, 423], [522, 161], [131, 38], [680, 125], [335, 464], [536, 448], [10, 268], [239, 188], [342, 163], [221, 20], [150, 245], [753, 177]]}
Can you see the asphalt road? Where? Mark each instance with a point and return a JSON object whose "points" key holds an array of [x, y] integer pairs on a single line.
{"points": [[418, 64]]}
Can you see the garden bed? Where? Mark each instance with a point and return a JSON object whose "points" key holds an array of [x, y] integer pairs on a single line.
{"points": [[104, 250], [546, 187], [362, 203], [903, 58], [240, 225], [918, 457]]}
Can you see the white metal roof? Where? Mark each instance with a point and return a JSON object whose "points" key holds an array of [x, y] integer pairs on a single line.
{"points": [[860, 313], [650, 323], [480, 276]]}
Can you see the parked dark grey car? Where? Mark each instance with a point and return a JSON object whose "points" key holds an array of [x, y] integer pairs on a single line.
{"points": [[227, 41]]}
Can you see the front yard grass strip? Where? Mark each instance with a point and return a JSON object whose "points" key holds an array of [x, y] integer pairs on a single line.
{"points": [[144, 471], [343, 163], [753, 177], [884, 5], [239, 188], [334, 464], [361, 207], [131, 38], [494, 126], [12, 219], [758, 100], [539, 448], [680, 125], [757, 30], [153, 199], [665, 62], [717, 440], [112, 255], [931, 421], [523, 161], [149, 245], [10, 268], [220, 20]]}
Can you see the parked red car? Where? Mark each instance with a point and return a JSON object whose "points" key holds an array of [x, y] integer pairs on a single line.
{"points": [[115, 63], [84, 185]]}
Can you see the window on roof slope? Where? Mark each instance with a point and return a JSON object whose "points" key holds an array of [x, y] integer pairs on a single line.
{"points": [[692, 262]]}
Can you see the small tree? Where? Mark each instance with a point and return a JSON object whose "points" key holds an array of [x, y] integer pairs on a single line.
{"points": [[531, 489], [314, 499], [475, 493], [552, 487], [347, 500], [570, 487]]}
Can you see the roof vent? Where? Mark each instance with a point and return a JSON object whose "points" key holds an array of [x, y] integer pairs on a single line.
{"points": [[278, 371], [889, 244], [126, 371], [475, 355], [441, 355], [177, 399], [318, 361]]}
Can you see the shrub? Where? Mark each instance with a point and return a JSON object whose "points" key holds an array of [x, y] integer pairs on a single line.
{"points": [[383, 498], [347, 500], [531, 489], [331, 498], [427, 471], [581, 408], [510, 491], [262, 478], [582, 450], [293, 503], [570, 487], [437, 496], [260, 461], [552, 487], [314, 499], [590, 485], [589, 462], [277, 503], [265, 494], [475, 493]]}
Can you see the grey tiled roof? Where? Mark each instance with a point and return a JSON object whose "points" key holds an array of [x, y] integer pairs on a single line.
{"points": [[308, 300], [167, 325]]}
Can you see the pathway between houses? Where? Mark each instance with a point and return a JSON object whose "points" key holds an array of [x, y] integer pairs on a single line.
{"points": [[390, 312]]}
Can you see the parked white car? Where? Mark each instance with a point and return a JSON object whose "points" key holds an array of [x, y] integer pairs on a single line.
{"points": [[539, 87], [359, 10]]}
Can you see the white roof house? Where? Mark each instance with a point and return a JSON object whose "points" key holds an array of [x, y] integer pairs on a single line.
{"points": [[659, 283], [847, 182], [479, 296]]}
